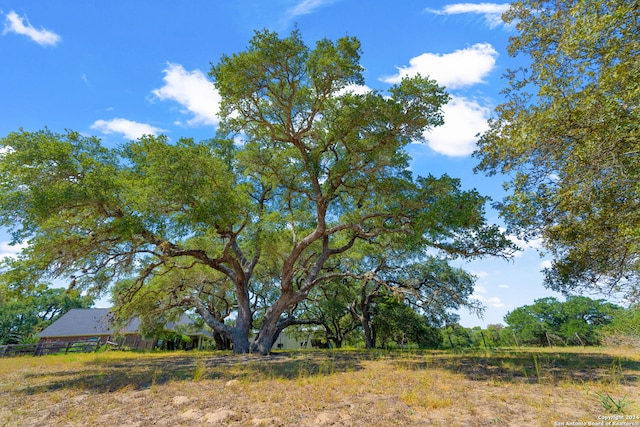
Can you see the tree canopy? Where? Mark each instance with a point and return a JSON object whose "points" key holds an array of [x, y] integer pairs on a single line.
{"points": [[302, 172], [23, 315], [578, 320], [426, 285], [568, 136]]}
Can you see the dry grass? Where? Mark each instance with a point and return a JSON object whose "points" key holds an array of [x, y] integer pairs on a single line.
{"points": [[347, 388]]}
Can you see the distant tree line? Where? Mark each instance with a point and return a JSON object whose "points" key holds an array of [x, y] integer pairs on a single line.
{"points": [[547, 322]]}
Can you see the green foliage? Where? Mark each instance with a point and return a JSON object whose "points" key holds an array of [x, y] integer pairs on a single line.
{"points": [[434, 287], [23, 316], [329, 306], [569, 136], [336, 161], [577, 321], [321, 173], [624, 329], [498, 335], [425, 284], [395, 323], [95, 216], [454, 336]]}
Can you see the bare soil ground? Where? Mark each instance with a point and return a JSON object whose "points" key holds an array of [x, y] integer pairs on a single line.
{"points": [[548, 387]]}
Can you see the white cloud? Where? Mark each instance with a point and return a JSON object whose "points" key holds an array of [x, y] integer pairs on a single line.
{"points": [[130, 129], [355, 89], [463, 119], [503, 286], [547, 263], [480, 289], [7, 250], [530, 244], [494, 302], [535, 244], [193, 91], [492, 12], [306, 7], [462, 68], [16, 24], [480, 274]]}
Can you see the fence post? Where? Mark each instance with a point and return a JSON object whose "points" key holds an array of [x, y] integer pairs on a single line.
{"points": [[483, 341]]}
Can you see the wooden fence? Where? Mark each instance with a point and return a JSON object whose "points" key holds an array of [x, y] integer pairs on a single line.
{"points": [[42, 348], [17, 349]]}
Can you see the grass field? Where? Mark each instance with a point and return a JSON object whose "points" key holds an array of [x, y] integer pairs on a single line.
{"points": [[535, 387]]}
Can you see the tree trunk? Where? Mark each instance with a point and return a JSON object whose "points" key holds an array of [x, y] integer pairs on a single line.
{"points": [[365, 319], [238, 334], [368, 333], [265, 339], [240, 340], [339, 336], [365, 316], [270, 323], [222, 342], [548, 340]]}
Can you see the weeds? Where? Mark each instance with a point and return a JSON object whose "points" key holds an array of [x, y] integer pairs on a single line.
{"points": [[199, 371], [154, 378], [537, 367], [383, 388], [612, 405], [425, 400], [326, 367], [616, 372]]}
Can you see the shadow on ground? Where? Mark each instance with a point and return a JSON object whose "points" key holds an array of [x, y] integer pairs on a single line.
{"points": [[108, 374], [112, 374], [532, 366]]}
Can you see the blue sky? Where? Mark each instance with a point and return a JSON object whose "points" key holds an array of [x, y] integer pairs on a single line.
{"points": [[121, 69]]}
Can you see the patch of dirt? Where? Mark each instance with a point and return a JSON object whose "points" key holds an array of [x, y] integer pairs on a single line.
{"points": [[316, 389]]}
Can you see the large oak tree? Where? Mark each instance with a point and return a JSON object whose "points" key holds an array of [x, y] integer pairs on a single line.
{"points": [[303, 169]]}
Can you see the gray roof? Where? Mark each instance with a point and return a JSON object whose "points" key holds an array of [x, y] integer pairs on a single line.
{"points": [[85, 322], [80, 322]]}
